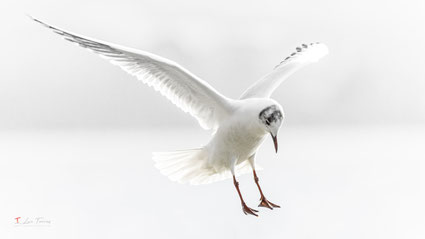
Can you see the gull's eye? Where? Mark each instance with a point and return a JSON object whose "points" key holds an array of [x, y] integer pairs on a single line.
{"points": [[271, 119]]}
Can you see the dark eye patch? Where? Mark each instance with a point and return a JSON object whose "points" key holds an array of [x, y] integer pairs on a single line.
{"points": [[267, 122], [270, 114]]}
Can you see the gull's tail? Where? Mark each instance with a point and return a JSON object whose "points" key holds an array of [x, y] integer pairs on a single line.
{"points": [[191, 166]]}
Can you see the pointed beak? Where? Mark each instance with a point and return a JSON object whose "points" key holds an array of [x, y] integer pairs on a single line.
{"points": [[274, 141]]}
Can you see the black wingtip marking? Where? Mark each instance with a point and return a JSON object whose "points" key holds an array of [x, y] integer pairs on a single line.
{"points": [[38, 21], [44, 24], [299, 50], [83, 42]]}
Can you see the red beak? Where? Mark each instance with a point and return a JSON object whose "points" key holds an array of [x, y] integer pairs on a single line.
{"points": [[274, 141]]}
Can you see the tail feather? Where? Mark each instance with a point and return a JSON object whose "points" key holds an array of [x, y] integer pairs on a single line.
{"points": [[190, 166], [182, 166]]}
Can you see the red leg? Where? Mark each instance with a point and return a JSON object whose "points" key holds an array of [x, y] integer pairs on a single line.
{"points": [[245, 208], [264, 202]]}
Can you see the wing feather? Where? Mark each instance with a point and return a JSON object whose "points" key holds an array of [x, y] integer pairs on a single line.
{"points": [[304, 55], [181, 87]]}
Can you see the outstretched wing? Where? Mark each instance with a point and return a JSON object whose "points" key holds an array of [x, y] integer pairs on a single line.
{"points": [[304, 55], [182, 88]]}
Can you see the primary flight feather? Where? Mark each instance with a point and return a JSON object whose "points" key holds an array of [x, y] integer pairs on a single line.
{"points": [[239, 125]]}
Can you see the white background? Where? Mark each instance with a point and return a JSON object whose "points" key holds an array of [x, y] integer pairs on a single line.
{"points": [[76, 133]]}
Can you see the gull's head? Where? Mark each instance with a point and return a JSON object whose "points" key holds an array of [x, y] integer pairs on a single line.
{"points": [[271, 119]]}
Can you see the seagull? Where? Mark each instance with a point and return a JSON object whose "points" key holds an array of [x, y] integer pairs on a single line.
{"points": [[238, 126]]}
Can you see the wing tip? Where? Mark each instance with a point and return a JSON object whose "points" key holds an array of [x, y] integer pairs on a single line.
{"points": [[29, 16], [37, 21], [314, 51], [33, 18]]}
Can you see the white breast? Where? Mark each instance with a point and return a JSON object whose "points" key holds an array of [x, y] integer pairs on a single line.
{"points": [[235, 141]]}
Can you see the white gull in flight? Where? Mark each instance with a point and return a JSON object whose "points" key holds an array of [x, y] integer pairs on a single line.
{"points": [[239, 125]]}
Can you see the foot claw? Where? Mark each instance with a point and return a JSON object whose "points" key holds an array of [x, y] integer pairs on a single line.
{"points": [[253, 209], [247, 210], [274, 205], [266, 203]]}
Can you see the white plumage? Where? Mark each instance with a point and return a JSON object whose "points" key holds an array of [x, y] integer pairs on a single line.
{"points": [[239, 126], [181, 87], [304, 55]]}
